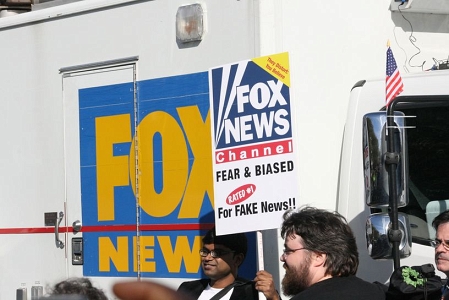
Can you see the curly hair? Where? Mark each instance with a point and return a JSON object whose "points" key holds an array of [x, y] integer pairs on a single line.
{"points": [[79, 286], [324, 232]]}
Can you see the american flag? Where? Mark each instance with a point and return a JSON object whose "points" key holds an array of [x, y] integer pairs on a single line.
{"points": [[394, 85]]}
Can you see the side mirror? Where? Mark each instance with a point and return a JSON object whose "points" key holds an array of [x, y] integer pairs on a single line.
{"points": [[375, 159], [374, 156], [377, 229]]}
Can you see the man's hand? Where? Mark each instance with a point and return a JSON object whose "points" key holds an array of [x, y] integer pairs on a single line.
{"points": [[145, 290], [265, 284]]}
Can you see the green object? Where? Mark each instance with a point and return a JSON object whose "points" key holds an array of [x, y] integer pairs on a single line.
{"points": [[412, 277]]}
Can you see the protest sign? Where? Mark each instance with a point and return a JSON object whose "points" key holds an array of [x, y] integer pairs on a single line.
{"points": [[254, 165]]}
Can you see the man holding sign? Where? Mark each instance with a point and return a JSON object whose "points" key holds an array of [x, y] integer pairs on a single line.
{"points": [[221, 257]]}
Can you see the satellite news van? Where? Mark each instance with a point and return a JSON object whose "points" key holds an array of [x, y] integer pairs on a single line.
{"points": [[106, 158]]}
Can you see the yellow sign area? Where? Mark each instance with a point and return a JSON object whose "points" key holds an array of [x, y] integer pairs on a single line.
{"points": [[277, 65]]}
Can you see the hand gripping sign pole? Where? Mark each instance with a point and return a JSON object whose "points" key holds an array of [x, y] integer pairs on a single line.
{"points": [[260, 259]]}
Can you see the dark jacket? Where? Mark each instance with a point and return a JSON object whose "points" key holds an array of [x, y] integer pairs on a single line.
{"points": [[243, 290], [342, 288]]}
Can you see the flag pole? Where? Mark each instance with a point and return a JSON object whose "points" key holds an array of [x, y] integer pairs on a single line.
{"points": [[393, 87], [386, 110]]}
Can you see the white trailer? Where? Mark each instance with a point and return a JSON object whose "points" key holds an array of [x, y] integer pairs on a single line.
{"points": [[98, 96]]}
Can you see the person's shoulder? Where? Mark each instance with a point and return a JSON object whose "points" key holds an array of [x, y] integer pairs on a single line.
{"points": [[362, 282], [346, 288], [189, 285], [244, 289], [243, 281], [361, 287], [194, 288], [354, 280]]}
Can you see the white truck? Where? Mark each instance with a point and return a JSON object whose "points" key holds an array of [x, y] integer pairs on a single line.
{"points": [[106, 162]]}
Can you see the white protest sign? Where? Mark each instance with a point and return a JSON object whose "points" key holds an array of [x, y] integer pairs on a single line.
{"points": [[254, 165]]}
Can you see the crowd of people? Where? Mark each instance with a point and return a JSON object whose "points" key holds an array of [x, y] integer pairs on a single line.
{"points": [[320, 259]]}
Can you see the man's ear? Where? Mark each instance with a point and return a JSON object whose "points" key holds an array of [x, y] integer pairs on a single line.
{"points": [[318, 259], [238, 259]]}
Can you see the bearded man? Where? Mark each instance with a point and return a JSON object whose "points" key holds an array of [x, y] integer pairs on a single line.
{"points": [[321, 258]]}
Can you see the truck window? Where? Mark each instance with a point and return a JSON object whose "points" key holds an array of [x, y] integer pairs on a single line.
{"points": [[428, 149]]}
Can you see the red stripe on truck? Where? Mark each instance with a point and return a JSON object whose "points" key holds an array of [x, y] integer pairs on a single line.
{"points": [[104, 228]]}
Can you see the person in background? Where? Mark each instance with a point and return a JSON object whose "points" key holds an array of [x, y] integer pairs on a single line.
{"points": [[78, 286], [221, 257], [321, 259], [441, 245]]}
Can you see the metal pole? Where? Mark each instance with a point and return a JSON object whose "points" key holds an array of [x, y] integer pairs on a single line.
{"points": [[392, 161]]}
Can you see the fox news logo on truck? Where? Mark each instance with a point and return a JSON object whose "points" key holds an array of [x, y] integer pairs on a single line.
{"points": [[251, 104], [147, 216]]}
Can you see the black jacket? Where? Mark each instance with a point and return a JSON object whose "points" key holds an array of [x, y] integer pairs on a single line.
{"points": [[342, 288], [243, 290]]}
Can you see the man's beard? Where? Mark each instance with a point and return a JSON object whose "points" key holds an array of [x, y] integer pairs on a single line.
{"points": [[296, 280]]}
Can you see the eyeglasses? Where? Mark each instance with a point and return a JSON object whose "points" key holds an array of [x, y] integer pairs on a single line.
{"points": [[436, 243], [215, 253], [287, 252]]}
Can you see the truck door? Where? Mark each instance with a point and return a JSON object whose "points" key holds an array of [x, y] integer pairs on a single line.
{"points": [[99, 108]]}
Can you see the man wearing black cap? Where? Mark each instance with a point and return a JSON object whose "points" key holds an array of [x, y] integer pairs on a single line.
{"points": [[221, 257]]}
